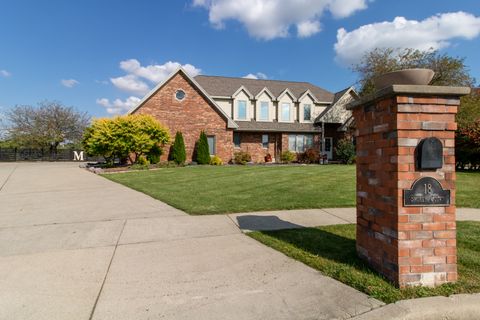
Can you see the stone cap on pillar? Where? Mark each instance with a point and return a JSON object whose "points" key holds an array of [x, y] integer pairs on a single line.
{"points": [[412, 90]]}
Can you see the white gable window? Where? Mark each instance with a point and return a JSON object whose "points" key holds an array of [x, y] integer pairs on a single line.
{"points": [[307, 112], [264, 110], [285, 112], [242, 110]]}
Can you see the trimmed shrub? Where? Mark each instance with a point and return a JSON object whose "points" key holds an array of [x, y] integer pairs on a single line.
{"points": [[142, 161], [310, 155], [123, 137], [153, 156], [287, 156], [203, 154], [216, 161], [178, 153], [242, 157], [345, 151]]}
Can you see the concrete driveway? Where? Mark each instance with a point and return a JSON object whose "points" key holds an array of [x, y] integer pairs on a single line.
{"points": [[74, 245]]}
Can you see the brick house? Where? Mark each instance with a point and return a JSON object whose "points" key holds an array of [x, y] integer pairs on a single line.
{"points": [[257, 116]]}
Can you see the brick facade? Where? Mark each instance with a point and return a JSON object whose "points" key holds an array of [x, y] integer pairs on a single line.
{"points": [[409, 245], [251, 142], [190, 116], [196, 112]]}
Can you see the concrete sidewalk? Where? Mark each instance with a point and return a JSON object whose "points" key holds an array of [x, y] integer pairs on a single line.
{"points": [[74, 245]]}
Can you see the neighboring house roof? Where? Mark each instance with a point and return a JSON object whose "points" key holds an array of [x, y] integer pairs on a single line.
{"points": [[230, 122], [276, 126], [226, 87]]}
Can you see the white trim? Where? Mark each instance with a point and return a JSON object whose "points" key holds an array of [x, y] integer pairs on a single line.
{"points": [[309, 93], [287, 91], [221, 97], [265, 89], [184, 95], [242, 88], [230, 123]]}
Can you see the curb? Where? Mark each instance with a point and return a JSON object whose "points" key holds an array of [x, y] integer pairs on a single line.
{"points": [[459, 306]]}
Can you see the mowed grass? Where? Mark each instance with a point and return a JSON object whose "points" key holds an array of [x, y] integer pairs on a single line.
{"points": [[227, 189], [331, 250], [468, 189]]}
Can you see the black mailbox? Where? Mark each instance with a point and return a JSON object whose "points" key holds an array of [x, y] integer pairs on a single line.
{"points": [[429, 154]]}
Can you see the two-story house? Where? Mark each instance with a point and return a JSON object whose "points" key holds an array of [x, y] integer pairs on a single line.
{"points": [[257, 116]]}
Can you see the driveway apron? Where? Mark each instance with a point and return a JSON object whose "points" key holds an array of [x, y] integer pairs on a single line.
{"points": [[74, 245]]}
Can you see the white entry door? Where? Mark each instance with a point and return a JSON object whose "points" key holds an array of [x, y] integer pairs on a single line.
{"points": [[329, 147]]}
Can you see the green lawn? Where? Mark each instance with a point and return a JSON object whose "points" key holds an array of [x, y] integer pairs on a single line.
{"points": [[211, 190], [468, 189], [331, 250], [225, 189]]}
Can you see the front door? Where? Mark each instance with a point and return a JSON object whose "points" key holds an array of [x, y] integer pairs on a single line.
{"points": [[329, 147]]}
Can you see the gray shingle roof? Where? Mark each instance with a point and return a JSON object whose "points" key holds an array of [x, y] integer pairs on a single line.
{"points": [[276, 126], [226, 86]]}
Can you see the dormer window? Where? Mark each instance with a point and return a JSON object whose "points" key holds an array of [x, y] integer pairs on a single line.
{"points": [[242, 110], [307, 112], [264, 110], [285, 112]]}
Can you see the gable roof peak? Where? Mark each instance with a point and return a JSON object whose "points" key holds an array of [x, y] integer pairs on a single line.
{"points": [[230, 122]]}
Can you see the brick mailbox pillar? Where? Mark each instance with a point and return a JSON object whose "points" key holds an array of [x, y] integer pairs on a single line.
{"points": [[406, 182]]}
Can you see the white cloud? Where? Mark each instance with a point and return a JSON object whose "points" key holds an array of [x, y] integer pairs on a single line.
{"points": [[269, 19], [134, 82], [131, 83], [118, 106], [434, 32], [5, 73], [258, 75], [307, 28], [69, 83]]}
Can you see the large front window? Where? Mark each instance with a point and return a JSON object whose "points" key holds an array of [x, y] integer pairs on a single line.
{"points": [[264, 110], [285, 114], [307, 112], [299, 142], [242, 110]]}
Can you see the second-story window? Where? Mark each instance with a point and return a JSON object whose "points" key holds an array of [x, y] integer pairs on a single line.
{"points": [[285, 112], [264, 110], [307, 112], [242, 110]]}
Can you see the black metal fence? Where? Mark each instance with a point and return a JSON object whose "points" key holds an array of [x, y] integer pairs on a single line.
{"points": [[31, 154]]}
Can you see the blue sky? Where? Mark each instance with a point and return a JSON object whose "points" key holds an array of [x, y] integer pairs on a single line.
{"points": [[102, 55]]}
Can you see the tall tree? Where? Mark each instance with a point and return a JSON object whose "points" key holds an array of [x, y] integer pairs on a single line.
{"points": [[449, 71], [178, 153], [46, 126], [203, 153]]}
